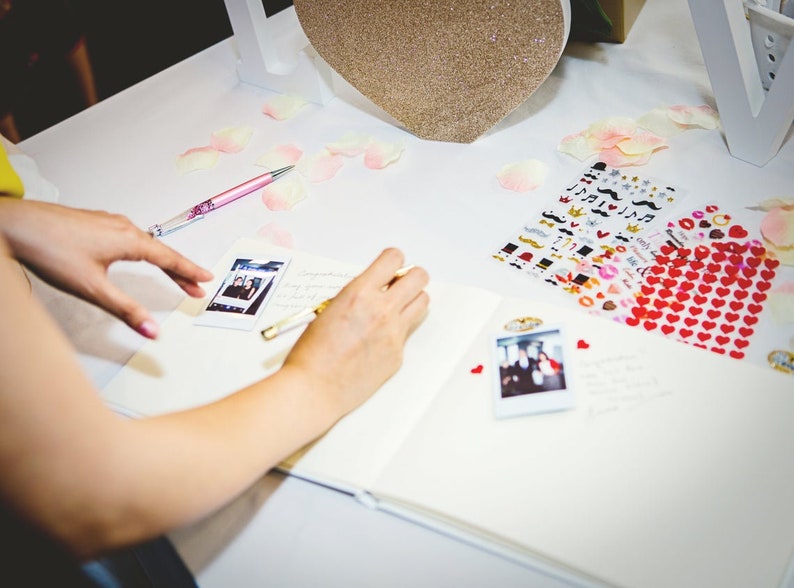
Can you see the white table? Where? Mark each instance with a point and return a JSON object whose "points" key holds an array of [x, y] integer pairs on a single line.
{"points": [[441, 203]]}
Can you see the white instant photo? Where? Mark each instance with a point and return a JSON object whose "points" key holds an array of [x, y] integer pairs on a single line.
{"points": [[244, 292], [532, 373]]}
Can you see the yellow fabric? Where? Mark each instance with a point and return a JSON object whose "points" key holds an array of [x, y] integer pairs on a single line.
{"points": [[10, 184]]}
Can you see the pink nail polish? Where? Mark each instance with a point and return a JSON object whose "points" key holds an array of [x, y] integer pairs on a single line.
{"points": [[148, 329]]}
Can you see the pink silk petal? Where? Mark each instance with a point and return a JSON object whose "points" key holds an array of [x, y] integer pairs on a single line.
{"points": [[777, 226], [320, 167], [658, 121], [283, 106], [771, 203], [578, 146], [231, 139], [607, 132], [196, 158], [276, 234], [350, 145], [640, 143], [616, 158], [523, 175], [781, 302], [785, 255], [702, 116], [379, 154], [280, 156], [284, 194]]}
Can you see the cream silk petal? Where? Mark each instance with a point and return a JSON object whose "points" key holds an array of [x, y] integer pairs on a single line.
{"points": [[671, 120], [702, 116], [781, 302], [608, 132], [641, 143], [578, 146], [350, 145], [283, 106], [379, 154], [231, 139], [196, 158], [320, 167], [777, 226], [276, 234], [771, 203], [658, 121], [616, 158], [523, 176], [280, 156], [284, 194]]}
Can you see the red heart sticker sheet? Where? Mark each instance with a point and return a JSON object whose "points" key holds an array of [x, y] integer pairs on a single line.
{"points": [[702, 281], [709, 296]]}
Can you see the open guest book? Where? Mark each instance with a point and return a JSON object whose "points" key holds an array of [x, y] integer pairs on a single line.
{"points": [[673, 467]]}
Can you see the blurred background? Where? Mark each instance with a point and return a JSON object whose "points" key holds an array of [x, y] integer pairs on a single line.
{"points": [[60, 56]]}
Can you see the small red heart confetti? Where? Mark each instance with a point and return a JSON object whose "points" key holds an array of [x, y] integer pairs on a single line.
{"points": [[477, 369], [582, 344]]}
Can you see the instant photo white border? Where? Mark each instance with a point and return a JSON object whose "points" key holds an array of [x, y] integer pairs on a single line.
{"points": [[554, 341], [233, 320]]}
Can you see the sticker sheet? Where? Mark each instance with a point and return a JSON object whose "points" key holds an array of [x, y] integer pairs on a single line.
{"points": [[707, 283], [575, 244], [618, 245]]}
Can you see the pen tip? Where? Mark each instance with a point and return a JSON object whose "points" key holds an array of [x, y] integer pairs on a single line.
{"points": [[281, 171]]}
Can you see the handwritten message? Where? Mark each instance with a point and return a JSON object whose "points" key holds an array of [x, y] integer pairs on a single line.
{"points": [[618, 383], [304, 288]]}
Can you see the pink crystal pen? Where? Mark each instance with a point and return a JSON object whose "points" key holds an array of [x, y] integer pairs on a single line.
{"points": [[198, 211]]}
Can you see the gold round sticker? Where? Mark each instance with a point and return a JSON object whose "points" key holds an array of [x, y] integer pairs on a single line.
{"points": [[524, 323], [782, 361]]}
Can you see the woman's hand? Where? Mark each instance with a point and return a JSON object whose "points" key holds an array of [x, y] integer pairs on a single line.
{"points": [[356, 344], [72, 249]]}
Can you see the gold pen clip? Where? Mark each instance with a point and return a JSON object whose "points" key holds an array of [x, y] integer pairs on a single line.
{"points": [[294, 320], [308, 314]]}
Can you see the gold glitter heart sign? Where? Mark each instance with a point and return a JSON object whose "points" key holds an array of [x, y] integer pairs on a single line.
{"points": [[448, 70]]}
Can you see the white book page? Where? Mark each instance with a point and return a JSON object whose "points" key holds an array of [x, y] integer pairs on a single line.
{"points": [[673, 469], [362, 442], [191, 365]]}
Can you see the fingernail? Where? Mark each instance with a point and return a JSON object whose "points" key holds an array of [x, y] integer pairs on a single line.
{"points": [[148, 328]]}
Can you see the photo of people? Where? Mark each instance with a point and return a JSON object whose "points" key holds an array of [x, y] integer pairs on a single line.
{"points": [[533, 374], [241, 296], [531, 362], [238, 292]]}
